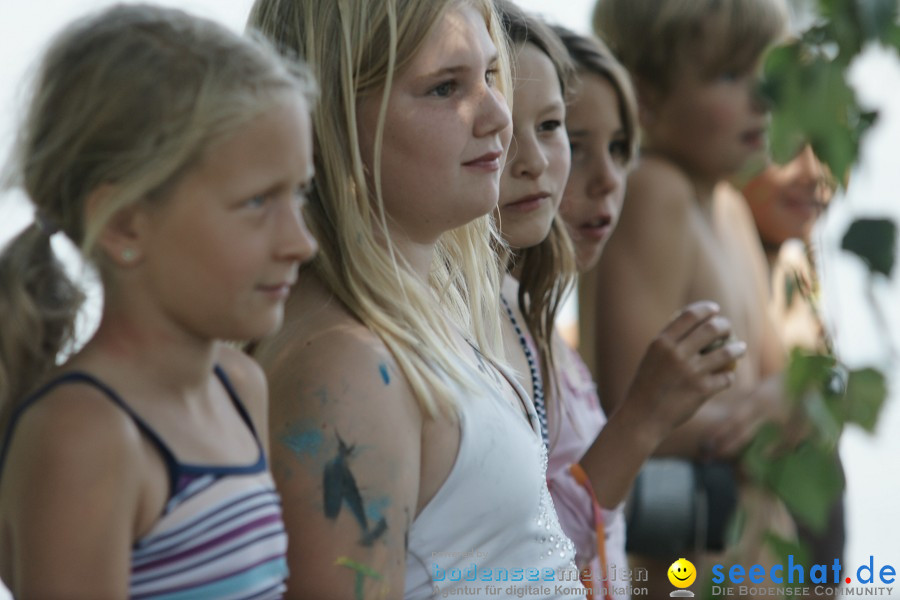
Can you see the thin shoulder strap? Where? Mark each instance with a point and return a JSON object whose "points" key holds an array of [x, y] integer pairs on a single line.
{"points": [[82, 377], [238, 404]]}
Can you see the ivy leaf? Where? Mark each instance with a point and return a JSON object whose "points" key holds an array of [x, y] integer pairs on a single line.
{"points": [[806, 371], [826, 421], [807, 480], [877, 18], [813, 102], [783, 548], [892, 37], [853, 23], [757, 457], [866, 393], [874, 241]]}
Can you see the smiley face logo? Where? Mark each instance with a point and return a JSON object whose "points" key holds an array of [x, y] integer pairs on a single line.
{"points": [[682, 573]]}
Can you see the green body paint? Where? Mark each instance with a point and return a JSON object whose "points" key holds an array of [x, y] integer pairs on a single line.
{"points": [[361, 570]]}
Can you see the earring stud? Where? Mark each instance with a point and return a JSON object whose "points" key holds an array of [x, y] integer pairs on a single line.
{"points": [[128, 255]]}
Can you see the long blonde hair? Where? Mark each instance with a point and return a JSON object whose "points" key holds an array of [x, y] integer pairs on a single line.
{"points": [[356, 47], [128, 98]]}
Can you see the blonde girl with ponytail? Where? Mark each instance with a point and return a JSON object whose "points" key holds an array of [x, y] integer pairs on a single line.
{"points": [[175, 155]]}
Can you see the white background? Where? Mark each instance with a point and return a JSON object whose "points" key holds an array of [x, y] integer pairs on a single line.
{"points": [[873, 524]]}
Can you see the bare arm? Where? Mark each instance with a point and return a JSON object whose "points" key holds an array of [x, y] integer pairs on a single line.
{"points": [[675, 377], [345, 438], [71, 495]]}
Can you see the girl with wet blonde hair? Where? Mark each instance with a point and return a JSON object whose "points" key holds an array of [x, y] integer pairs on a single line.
{"points": [[405, 451], [173, 153]]}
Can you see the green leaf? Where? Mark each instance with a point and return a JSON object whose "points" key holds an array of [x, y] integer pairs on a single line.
{"points": [[806, 372], [866, 393], [757, 457], [877, 18], [826, 421], [782, 548], [813, 102], [874, 241], [807, 480], [891, 38]]}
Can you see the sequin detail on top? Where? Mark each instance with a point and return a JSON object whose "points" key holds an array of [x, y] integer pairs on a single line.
{"points": [[552, 541]]}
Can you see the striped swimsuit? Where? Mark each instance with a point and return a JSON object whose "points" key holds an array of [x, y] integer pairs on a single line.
{"points": [[220, 535]]}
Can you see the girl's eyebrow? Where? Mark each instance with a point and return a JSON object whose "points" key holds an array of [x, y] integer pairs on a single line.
{"points": [[551, 106], [454, 70]]}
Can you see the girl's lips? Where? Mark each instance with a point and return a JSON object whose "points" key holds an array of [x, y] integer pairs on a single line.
{"points": [[804, 208], [595, 232], [596, 229], [278, 291], [486, 162], [527, 203]]}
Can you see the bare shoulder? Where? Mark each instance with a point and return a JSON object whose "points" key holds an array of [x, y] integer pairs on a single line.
{"points": [[346, 445], [654, 234], [327, 367], [71, 494], [338, 357], [86, 428], [657, 186], [733, 215]]}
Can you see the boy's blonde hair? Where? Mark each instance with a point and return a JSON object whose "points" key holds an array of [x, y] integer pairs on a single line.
{"points": [[357, 47], [127, 100], [656, 39]]}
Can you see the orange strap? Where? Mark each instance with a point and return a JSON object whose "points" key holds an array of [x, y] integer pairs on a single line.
{"points": [[590, 580]]}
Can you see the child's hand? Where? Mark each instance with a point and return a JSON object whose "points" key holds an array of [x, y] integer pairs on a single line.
{"points": [[692, 359]]}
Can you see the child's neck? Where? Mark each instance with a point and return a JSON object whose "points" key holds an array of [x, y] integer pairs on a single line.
{"points": [[182, 361], [702, 183]]}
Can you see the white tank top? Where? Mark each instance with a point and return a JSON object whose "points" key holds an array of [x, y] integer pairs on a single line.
{"points": [[491, 530]]}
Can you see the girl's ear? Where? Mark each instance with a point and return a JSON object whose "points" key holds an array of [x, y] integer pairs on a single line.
{"points": [[122, 237]]}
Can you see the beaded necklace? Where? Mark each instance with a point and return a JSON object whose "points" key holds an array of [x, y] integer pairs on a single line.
{"points": [[539, 406]]}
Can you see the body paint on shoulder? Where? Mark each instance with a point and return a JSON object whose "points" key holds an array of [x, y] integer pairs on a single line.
{"points": [[339, 487]]}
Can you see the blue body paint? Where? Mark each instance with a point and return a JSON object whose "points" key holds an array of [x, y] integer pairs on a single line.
{"points": [[385, 376], [303, 441], [375, 508]]}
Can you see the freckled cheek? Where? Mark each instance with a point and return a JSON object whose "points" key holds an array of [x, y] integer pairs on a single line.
{"points": [[561, 163], [418, 148], [571, 207]]}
